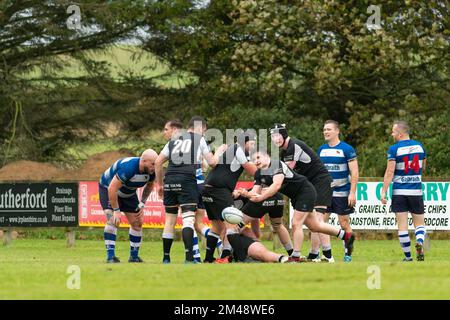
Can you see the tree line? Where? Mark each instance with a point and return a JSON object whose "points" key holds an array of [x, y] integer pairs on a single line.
{"points": [[249, 64]]}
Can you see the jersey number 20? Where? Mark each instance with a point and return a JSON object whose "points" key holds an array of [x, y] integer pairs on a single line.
{"points": [[182, 145]]}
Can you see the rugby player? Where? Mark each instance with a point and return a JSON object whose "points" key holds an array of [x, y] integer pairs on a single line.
{"points": [[219, 193], [340, 160], [184, 152], [281, 178], [117, 191], [406, 162], [256, 250], [304, 161]]}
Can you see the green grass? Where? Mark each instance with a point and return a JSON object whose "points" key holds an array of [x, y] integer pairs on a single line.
{"points": [[37, 269]]}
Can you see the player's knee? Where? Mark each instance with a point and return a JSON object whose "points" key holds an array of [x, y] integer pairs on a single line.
{"points": [[276, 224], [137, 225], [109, 215]]}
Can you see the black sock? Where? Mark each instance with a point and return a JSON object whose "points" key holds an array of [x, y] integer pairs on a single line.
{"points": [[225, 253], [236, 244], [211, 243], [167, 244], [312, 256], [188, 234], [327, 253], [290, 251]]}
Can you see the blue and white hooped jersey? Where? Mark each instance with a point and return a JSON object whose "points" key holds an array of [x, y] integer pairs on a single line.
{"points": [[408, 156], [127, 171], [199, 175], [336, 161]]}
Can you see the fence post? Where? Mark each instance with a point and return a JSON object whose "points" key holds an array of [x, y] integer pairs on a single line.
{"points": [[426, 243], [70, 235], [7, 238]]}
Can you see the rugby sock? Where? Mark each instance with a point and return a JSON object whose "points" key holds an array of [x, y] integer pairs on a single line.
{"points": [[187, 234], [226, 252], [196, 248], [110, 234], [167, 244], [295, 254], [313, 254], [211, 242], [345, 248], [235, 241], [405, 243], [326, 251], [205, 231], [288, 248], [135, 242], [341, 234], [420, 234]]}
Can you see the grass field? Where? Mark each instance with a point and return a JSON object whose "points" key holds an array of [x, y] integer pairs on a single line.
{"points": [[37, 269]]}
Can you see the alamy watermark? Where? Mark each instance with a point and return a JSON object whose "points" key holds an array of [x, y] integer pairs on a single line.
{"points": [[74, 280], [73, 22], [374, 21], [374, 279]]}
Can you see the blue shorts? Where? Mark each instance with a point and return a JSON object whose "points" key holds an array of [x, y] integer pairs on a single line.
{"points": [[413, 204], [200, 204], [129, 205], [339, 205]]}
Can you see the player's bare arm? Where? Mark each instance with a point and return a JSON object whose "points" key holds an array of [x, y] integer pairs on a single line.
{"points": [[113, 189], [145, 194], [213, 159], [291, 164], [271, 190], [354, 176], [159, 172], [388, 175], [250, 168]]}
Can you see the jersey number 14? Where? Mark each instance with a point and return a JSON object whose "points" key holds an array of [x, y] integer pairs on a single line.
{"points": [[414, 165]]}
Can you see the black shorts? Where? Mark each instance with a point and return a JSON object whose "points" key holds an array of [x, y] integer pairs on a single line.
{"points": [[246, 242], [180, 190], [305, 199], [129, 205], [200, 204], [322, 184], [413, 204], [215, 200], [339, 205], [274, 206]]}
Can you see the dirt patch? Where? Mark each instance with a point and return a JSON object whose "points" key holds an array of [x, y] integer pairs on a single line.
{"points": [[31, 171], [92, 169]]}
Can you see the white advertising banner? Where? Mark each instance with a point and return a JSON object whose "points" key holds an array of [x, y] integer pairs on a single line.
{"points": [[371, 214]]}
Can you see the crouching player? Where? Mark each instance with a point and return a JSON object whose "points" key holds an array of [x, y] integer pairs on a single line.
{"points": [[254, 211], [278, 177], [117, 190]]}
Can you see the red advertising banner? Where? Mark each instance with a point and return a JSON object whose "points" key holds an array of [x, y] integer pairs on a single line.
{"points": [[91, 213]]}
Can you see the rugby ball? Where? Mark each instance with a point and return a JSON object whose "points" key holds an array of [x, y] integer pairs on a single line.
{"points": [[232, 215]]}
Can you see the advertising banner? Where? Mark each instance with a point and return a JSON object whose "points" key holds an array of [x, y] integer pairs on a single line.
{"points": [[371, 214], [91, 213], [39, 205]]}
